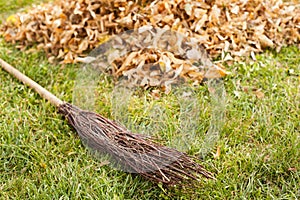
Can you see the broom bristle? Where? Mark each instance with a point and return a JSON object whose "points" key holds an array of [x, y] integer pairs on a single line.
{"points": [[133, 153]]}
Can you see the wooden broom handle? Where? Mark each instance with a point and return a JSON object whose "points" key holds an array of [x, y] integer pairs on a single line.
{"points": [[32, 84]]}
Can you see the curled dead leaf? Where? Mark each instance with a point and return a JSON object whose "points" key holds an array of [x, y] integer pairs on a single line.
{"points": [[259, 94], [66, 30]]}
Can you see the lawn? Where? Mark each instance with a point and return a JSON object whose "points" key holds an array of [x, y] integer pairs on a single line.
{"points": [[41, 157]]}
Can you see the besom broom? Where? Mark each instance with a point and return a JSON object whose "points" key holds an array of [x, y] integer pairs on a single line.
{"points": [[132, 152]]}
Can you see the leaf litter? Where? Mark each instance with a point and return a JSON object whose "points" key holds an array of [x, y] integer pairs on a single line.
{"points": [[68, 30]]}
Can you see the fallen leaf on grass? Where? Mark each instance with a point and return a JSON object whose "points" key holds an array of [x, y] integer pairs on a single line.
{"points": [[293, 169], [238, 26], [259, 94], [218, 152], [66, 30]]}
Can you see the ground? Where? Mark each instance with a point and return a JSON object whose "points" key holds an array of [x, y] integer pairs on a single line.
{"points": [[41, 157]]}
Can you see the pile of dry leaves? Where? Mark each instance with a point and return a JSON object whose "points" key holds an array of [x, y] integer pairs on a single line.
{"points": [[154, 57], [68, 29]]}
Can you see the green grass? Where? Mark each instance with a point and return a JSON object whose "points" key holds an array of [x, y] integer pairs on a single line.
{"points": [[41, 157], [8, 7]]}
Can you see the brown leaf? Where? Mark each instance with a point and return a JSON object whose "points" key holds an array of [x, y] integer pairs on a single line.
{"points": [[67, 29], [259, 94], [265, 41], [292, 169]]}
